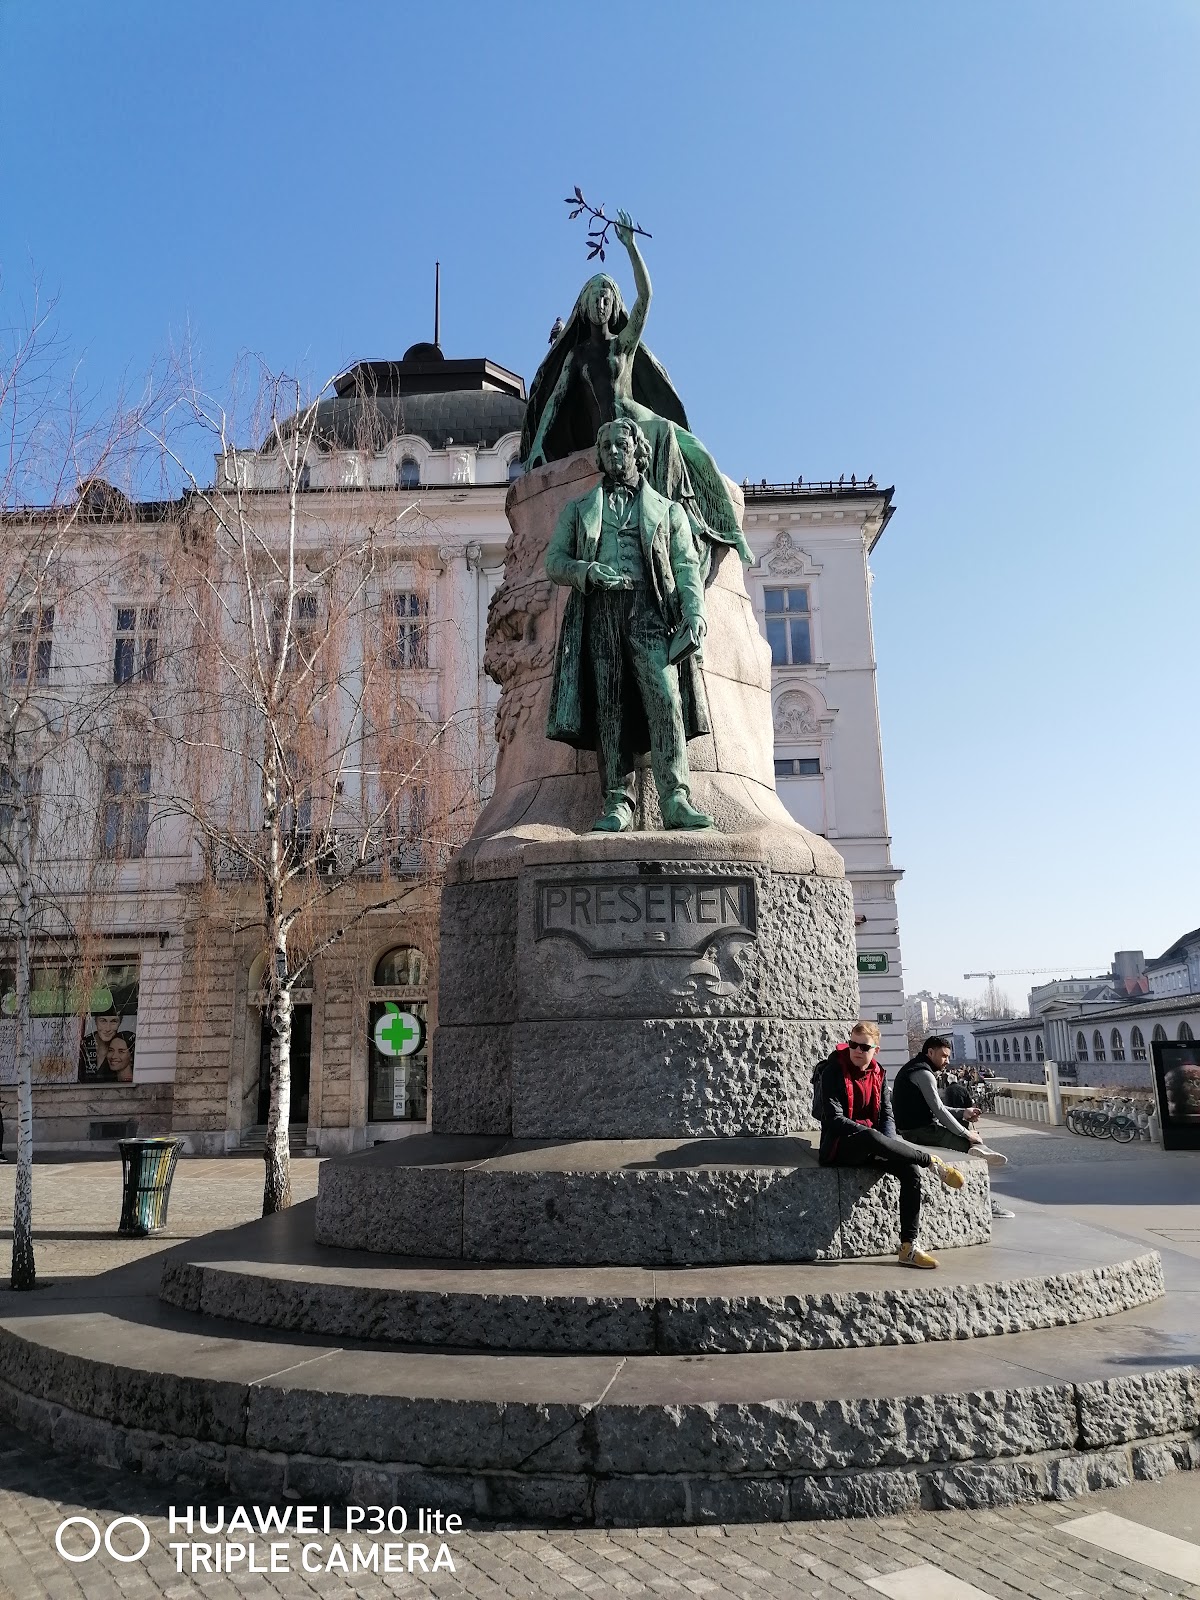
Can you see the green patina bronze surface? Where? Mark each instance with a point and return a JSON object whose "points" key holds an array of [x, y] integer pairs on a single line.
{"points": [[599, 370], [626, 670]]}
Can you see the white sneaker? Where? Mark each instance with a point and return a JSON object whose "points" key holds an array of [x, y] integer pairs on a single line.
{"points": [[999, 1211], [994, 1158]]}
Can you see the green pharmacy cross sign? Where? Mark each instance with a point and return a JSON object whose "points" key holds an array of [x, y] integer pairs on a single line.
{"points": [[398, 1033]]}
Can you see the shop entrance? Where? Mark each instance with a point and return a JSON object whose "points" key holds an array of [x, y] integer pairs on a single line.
{"points": [[301, 1056]]}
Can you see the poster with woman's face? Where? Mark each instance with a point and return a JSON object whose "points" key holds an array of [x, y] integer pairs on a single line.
{"points": [[109, 1040]]}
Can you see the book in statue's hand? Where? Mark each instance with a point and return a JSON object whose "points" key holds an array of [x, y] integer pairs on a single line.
{"points": [[683, 643]]}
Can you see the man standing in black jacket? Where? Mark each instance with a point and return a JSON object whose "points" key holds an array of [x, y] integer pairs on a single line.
{"points": [[858, 1130]]}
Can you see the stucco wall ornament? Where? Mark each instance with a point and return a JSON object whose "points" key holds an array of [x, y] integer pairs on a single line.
{"points": [[785, 557], [795, 716]]}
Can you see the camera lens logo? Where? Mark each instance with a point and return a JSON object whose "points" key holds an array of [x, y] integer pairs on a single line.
{"points": [[89, 1529]]}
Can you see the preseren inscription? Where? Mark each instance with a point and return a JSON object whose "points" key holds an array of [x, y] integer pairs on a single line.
{"points": [[656, 916]]}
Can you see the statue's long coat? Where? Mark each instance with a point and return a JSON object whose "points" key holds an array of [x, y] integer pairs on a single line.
{"points": [[675, 588]]}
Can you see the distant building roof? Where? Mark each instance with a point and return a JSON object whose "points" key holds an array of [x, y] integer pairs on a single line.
{"points": [[443, 402], [1176, 952]]}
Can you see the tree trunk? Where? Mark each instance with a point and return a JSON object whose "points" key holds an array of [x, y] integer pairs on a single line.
{"points": [[24, 1271], [277, 1185]]}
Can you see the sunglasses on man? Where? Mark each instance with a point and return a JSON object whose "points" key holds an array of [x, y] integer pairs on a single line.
{"points": [[854, 1045]]}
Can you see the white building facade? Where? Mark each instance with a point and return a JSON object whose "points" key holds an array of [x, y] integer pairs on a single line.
{"points": [[811, 590], [425, 449]]}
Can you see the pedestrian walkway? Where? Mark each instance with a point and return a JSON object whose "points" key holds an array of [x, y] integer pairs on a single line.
{"points": [[1137, 1541], [1018, 1553]]}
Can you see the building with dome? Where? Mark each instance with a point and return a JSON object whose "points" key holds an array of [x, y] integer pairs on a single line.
{"points": [[424, 448]]}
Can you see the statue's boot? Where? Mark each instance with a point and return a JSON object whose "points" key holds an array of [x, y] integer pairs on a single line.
{"points": [[617, 816], [679, 812]]}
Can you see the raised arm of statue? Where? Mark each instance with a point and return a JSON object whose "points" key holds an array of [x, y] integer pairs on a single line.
{"points": [[631, 334]]}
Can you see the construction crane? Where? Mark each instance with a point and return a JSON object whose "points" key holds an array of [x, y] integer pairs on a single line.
{"points": [[1031, 972]]}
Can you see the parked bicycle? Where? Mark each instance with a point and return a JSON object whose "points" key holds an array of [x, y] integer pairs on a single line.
{"points": [[1114, 1119]]}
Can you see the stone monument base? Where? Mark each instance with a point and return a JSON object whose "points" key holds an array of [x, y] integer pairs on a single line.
{"points": [[645, 1203], [639, 985]]}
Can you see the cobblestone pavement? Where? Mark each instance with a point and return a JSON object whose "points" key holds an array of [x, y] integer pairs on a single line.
{"points": [[76, 1205], [1015, 1551]]}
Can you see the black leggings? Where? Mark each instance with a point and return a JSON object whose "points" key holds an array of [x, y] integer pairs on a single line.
{"points": [[897, 1156]]}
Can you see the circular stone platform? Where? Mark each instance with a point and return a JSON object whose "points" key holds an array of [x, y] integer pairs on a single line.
{"points": [[104, 1368], [1044, 1275], [645, 1202]]}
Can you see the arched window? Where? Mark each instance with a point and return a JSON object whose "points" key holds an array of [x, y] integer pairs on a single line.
{"points": [[402, 967], [1028, 1053], [515, 469], [1184, 1034], [1118, 1045], [1160, 1033], [410, 473], [1137, 1044], [398, 1065], [1080, 1047], [1098, 1045], [1016, 1049], [987, 1049], [1040, 1048], [978, 1051], [1006, 1049]]}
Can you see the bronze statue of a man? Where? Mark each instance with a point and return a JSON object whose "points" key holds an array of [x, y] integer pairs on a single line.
{"points": [[626, 671]]}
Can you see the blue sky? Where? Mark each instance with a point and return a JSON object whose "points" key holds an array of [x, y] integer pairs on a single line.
{"points": [[953, 244]]}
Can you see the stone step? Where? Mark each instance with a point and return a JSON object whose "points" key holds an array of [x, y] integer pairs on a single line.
{"points": [[103, 1368], [1042, 1274], [627, 1202], [254, 1140]]}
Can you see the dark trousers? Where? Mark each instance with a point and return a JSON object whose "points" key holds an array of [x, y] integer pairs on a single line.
{"points": [[871, 1148], [933, 1133], [628, 642]]}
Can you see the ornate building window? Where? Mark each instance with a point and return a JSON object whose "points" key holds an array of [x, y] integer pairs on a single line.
{"points": [[1160, 1033], [1028, 1051], [515, 469], [1098, 1045], [1081, 1051], [1184, 1034], [1006, 1049], [28, 785], [789, 626], [405, 629], [1137, 1044], [135, 655], [33, 645], [125, 812], [1118, 1045], [1039, 1048], [410, 473]]}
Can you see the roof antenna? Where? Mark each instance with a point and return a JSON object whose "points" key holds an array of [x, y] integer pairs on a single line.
{"points": [[437, 305]]}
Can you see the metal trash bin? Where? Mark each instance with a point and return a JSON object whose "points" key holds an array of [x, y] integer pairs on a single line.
{"points": [[148, 1165]]}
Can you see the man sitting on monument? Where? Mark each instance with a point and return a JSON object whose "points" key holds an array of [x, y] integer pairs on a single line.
{"points": [[858, 1130], [626, 670], [923, 1117]]}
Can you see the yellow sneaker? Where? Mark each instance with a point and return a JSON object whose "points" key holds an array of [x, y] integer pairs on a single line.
{"points": [[911, 1256], [950, 1176]]}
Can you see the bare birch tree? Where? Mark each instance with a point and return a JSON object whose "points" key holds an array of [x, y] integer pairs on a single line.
{"points": [[310, 784], [54, 491]]}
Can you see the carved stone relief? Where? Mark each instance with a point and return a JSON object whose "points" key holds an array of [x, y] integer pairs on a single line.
{"points": [[795, 716], [785, 557], [518, 647]]}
